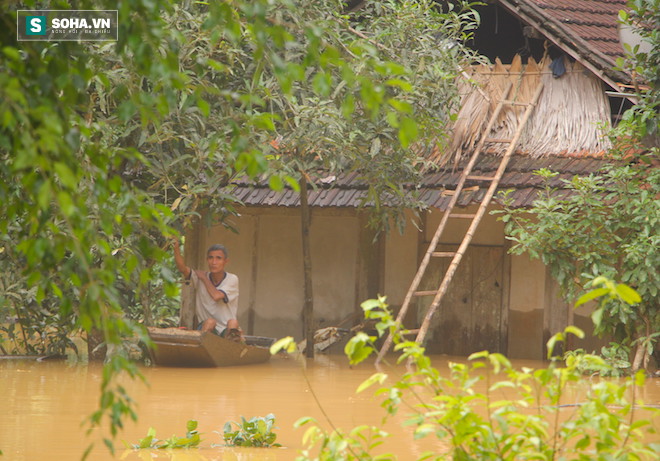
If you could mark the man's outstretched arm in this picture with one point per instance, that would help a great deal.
(180, 263)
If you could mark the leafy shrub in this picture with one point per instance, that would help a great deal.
(356, 444)
(192, 439)
(615, 357)
(256, 432)
(537, 419)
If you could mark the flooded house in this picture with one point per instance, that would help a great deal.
(557, 56)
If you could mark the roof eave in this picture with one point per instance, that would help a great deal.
(573, 45)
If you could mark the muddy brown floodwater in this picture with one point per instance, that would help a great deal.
(44, 404)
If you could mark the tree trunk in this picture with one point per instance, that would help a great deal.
(96, 347)
(308, 306)
(187, 319)
(146, 306)
(640, 352)
(642, 357)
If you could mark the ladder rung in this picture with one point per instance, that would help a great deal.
(461, 215)
(465, 189)
(443, 254)
(481, 178)
(410, 332)
(425, 293)
(500, 140)
(514, 103)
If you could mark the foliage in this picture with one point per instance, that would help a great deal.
(62, 190)
(615, 357)
(255, 432)
(192, 439)
(104, 145)
(358, 443)
(642, 63)
(486, 409)
(614, 216)
(304, 90)
(383, 98)
(27, 326)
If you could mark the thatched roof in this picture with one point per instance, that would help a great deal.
(570, 118)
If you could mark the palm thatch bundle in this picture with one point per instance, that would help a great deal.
(570, 118)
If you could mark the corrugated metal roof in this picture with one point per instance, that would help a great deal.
(435, 189)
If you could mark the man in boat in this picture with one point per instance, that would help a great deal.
(216, 301)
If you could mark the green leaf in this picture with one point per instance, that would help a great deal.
(628, 294)
(145, 442)
(590, 295)
(66, 203)
(401, 106)
(597, 316)
(293, 184)
(583, 443)
(45, 195)
(574, 330)
(478, 355)
(322, 83)
(424, 430)
(370, 304)
(275, 183)
(11, 53)
(407, 131)
(640, 378)
(204, 107)
(373, 379)
(66, 176)
(348, 106)
(358, 348)
(396, 82)
(554, 339)
(287, 344)
(302, 421)
(191, 425)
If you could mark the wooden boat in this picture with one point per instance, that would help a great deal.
(175, 347)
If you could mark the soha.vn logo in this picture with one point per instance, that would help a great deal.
(81, 23)
(35, 25)
(67, 25)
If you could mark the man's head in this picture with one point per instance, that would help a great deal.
(217, 247)
(216, 258)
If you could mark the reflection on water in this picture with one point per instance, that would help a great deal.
(44, 404)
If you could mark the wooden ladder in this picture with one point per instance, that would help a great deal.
(449, 214)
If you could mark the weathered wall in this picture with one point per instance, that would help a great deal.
(537, 311)
(526, 308)
(266, 254)
(497, 301)
(401, 262)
